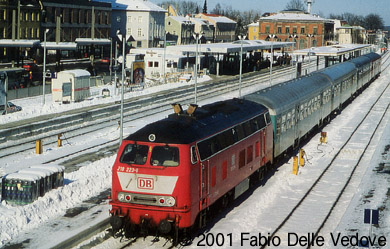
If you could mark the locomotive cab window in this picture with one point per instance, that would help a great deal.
(194, 158)
(135, 154)
(165, 156)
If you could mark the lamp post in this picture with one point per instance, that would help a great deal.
(123, 37)
(44, 66)
(110, 59)
(309, 45)
(197, 36)
(164, 62)
(293, 36)
(241, 37)
(272, 37)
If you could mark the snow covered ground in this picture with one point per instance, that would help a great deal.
(254, 215)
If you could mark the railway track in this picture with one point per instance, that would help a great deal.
(325, 193)
(134, 108)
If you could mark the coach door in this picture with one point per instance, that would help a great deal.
(204, 178)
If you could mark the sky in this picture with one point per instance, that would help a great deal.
(326, 7)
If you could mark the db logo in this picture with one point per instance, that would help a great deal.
(145, 183)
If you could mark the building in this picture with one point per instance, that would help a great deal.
(205, 28)
(351, 35)
(141, 19)
(179, 29)
(27, 27)
(253, 31)
(297, 26)
(225, 28)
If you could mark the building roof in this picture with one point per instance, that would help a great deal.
(219, 18)
(295, 16)
(334, 50)
(181, 19)
(134, 5)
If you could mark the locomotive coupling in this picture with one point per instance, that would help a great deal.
(116, 223)
(165, 226)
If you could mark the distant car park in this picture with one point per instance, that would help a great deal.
(11, 107)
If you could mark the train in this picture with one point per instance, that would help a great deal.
(172, 174)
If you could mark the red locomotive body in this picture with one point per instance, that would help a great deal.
(170, 172)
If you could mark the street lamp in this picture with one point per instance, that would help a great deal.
(164, 62)
(123, 38)
(197, 36)
(293, 36)
(309, 45)
(44, 65)
(241, 37)
(272, 37)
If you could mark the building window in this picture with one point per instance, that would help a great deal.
(129, 31)
(128, 18)
(140, 19)
(287, 30)
(302, 30)
(139, 44)
(279, 30)
(267, 28)
(139, 32)
(315, 30)
(294, 30)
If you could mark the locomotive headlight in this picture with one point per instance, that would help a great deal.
(170, 201)
(121, 197)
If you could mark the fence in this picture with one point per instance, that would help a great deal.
(37, 90)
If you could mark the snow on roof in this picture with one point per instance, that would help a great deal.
(294, 15)
(51, 167)
(22, 176)
(201, 21)
(134, 5)
(219, 18)
(181, 19)
(76, 72)
(36, 171)
(253, 24)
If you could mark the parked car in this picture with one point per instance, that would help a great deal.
(11, 107)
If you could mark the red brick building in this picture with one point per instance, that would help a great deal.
(305, 29)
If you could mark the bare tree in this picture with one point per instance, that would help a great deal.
(373, 22)
(295, 5)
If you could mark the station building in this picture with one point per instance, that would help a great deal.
(304, 29)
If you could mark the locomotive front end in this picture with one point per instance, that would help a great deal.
(150, 189)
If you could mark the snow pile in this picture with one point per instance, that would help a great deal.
(83, 184)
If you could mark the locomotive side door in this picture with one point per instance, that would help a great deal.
(204, 183)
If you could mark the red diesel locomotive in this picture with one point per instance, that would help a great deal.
(168, 174)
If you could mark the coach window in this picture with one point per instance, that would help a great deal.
(247, 129)
(278, 127)
(261, 122)
(293, 118)
(289, 120)
(283, 123)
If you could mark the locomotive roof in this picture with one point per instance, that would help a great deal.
(280, 98)
(205, 121)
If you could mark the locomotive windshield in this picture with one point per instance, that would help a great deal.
(165, 156)
(135, 154)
